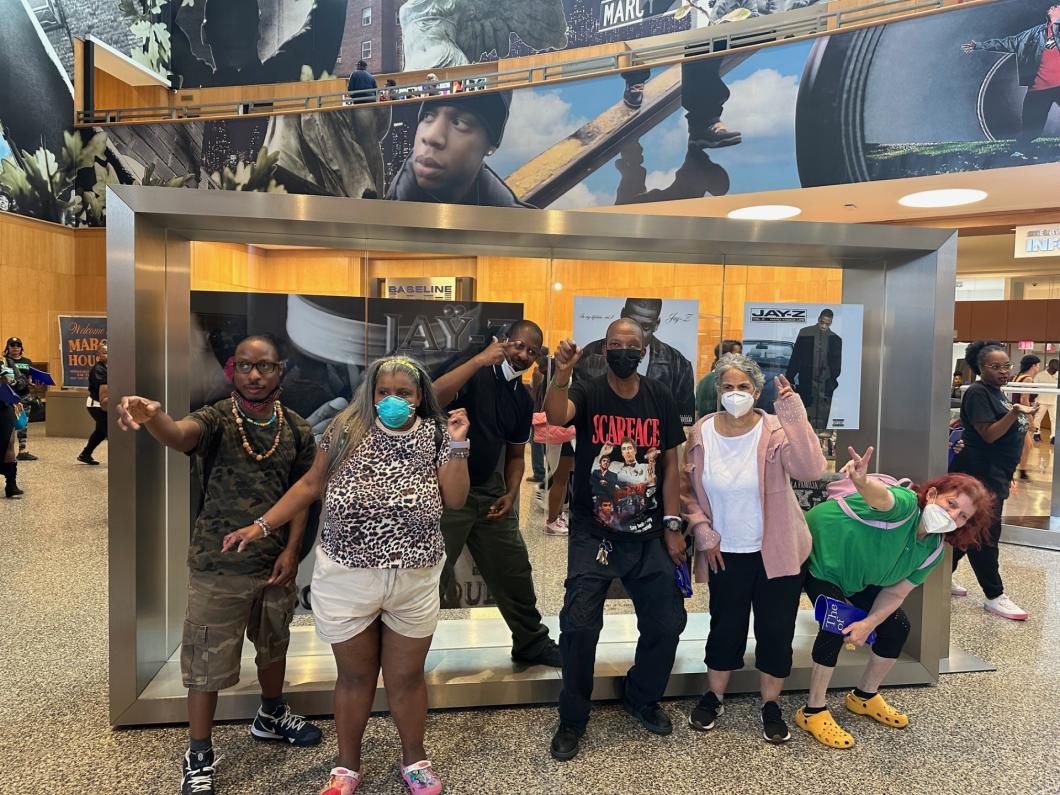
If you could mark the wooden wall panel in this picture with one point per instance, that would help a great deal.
(962, 320)
(989, 320)
(48, 269)
(1027, 320)
(1052, 320)
(109, 93)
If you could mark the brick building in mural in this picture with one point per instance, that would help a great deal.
(372, 33)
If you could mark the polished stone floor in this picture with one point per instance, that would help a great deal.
(974, 733)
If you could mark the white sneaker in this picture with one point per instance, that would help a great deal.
(956, 589)
(1006, 608)
(558, 527)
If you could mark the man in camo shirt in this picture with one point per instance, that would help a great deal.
(248, 451)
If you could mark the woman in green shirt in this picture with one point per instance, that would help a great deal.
(875, 569)
(707, 388)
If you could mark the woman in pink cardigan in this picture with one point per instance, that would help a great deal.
(750, 532)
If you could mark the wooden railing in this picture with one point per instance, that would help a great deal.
(227, 102)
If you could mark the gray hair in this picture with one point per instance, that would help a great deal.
(352, 424)
(745, 364)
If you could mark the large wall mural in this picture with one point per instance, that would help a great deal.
(849, 107)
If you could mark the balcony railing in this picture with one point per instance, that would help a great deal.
(812, 20)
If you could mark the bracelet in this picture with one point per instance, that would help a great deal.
(554, 385)
(458, 445)
(260, 522)
(460, 452)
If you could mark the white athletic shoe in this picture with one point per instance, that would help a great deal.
(956, 589)
(558, 527)
(1006, 608)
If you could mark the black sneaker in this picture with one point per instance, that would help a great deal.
(651, 717)
(84, 458)
(285, 725)
(548, 655)
(198, 773)
(11, 491)
(706, 713)
(24, 456)
(565, 742)
(633, 96)
(774, 729)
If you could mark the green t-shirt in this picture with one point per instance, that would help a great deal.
(241, 489)
(706, 395)
(855, 556)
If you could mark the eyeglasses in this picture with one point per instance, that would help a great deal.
(999, 368)
(265, 367)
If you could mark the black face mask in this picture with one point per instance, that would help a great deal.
(623, 362)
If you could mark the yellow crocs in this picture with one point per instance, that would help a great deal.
(877, 709)
(824, 729)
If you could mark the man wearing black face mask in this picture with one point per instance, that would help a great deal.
(500, 411)
(632, 533)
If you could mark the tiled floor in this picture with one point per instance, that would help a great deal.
(975, 733)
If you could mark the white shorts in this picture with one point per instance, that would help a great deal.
(346, 601)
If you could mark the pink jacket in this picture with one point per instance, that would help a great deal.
(788, 449)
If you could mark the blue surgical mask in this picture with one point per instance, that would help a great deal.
(393, 411)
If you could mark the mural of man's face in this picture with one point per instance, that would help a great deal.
(1054, 13)
(646, 316)
(450, 145)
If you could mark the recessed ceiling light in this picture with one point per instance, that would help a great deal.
(765, 212)
(949, 197)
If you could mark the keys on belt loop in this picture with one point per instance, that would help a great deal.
(602, 553)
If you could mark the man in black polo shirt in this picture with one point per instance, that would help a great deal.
(625, 525)
(500, 410)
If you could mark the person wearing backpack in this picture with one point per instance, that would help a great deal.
(249, 449)
(874, 541)
(994, 433)
(751, 537)
(386, 467)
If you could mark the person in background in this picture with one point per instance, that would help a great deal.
(994, 429)
(361, 84)
(97, 405)
(706, 389)
(751, 537)
(16, 359)
(815, 366)
(538, 385)
(489, 387)
(634, 532)
(875, 569)
(8, 437)
(386, 467)
(390, 90)
(1030, 366)
(249, 449)
(1048, 377)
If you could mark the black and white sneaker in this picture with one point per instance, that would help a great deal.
(774, 729)
(706, 713)
(198, 773)
(285, 725)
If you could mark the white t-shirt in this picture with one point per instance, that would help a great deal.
(730, 480)
(1043, 377)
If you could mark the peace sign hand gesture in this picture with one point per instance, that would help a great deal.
(783, 386)
(857, 468)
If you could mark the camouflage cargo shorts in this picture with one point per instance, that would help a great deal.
(221, 609)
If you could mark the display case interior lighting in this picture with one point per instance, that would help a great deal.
(947, 197)
(765, 212)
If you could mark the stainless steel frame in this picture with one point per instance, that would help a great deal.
(903, 276)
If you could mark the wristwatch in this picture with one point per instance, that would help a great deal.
(673, 524)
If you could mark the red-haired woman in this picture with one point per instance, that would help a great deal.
(875, 569)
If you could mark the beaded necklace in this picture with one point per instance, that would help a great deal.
(258, 423)
(277, 415)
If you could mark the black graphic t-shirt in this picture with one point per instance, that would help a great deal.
(994, 464)
(618, 457)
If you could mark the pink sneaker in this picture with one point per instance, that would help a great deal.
(558, 527)
(343, 781)
(421, 779)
